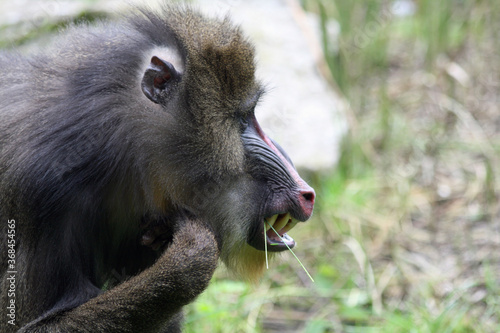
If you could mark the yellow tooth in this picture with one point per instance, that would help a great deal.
(290, 225)
(270, 221)
(281, 222)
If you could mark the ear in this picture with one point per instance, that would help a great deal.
(158, 77)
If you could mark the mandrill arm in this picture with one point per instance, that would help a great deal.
(152, 300)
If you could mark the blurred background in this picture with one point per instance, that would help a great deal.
(392, 114)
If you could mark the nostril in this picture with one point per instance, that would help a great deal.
(306, 202)
(309, 196)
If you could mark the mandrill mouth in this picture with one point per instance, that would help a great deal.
(282, 223)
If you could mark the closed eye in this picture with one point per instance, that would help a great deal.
(244, 123)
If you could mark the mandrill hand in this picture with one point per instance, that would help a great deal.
(157, 232)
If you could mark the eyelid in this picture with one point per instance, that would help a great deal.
(243, 123)
(245, 113)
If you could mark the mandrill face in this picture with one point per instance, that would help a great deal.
(232, 175)
(287, 198)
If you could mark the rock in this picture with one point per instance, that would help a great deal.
(300, 111)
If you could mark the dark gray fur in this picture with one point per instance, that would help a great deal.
(90, 167)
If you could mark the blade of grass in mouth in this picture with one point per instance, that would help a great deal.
(296, 258)
(265, 242)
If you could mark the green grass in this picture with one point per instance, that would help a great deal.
(35, 30)
(405, 236)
